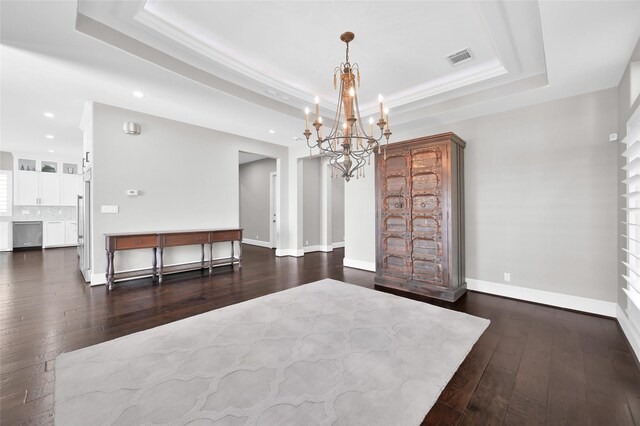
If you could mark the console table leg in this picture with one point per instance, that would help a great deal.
(210, 258)
(239, 254)
(202, 254)
(155, 263)
(110, 270)
(232, 254)
(161, 250)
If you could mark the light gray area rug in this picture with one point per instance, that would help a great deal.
(325, 353)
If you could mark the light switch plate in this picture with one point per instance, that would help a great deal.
(108, 209)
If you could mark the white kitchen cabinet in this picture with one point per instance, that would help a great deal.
(53, 234)
(45, 182)
(27, 188)
(71, 233)
(69, 189)
(49, 189)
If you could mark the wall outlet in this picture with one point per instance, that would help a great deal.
(507, 276)
(306, 243)
(257, 238)
(108, 209)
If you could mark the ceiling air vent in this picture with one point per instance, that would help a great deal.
(459, 57)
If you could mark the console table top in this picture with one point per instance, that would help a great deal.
(180, 231)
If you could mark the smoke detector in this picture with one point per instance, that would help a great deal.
(459, 57)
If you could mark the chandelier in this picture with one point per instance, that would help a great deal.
(348, 145)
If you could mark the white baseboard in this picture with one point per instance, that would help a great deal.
(560, 300)
(289, 252)
(98, 279)
(338, 244)
(359, 264)
(309, 249)
(629, 330)
(258, 243)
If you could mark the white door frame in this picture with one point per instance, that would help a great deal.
(274, 209)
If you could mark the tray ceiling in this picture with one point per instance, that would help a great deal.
(286, 51)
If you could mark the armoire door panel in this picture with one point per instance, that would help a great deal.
(395, 204)
(396, 245)
(425, 183)
(396, 165)
(427, 270)
(426, 159)
(425, 204)
(396, 185)
(396, 265)
(395, 224)
(427, 250)
(426, 226)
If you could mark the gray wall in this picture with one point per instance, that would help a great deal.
(337, 210)
(311, 201)
(6, 160)
(187, 176)
(541, 191)
(624, 113)
(254, 198)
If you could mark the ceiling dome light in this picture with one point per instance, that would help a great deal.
(272, 131)
(49, 114)
(138, 94)
(49, 136)
(51, 150)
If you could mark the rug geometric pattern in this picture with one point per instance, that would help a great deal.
(325, 353)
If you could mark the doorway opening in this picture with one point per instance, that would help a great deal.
(259, 199)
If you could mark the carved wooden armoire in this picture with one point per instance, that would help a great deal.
(420, 217)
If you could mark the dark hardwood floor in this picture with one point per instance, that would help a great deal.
(534, 364)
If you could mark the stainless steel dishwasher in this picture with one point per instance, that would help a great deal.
(27, 235)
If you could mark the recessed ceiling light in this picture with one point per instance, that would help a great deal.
(51, 150)
(49, 114)
(49, 136)
(272, 131)
(286, 98)
(138, 94)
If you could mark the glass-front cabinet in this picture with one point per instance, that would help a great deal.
(40, 182)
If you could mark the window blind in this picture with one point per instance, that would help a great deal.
(632, 223)
(6, 201)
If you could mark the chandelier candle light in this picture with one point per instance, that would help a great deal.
(348, 147)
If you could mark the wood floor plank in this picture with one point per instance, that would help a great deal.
(441, 415)
(531, 355)
(525, 412)
(490, 401)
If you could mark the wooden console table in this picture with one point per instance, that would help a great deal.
(158, 241)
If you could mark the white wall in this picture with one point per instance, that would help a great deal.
(540, 197)
(187, 176)
(337, 210)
